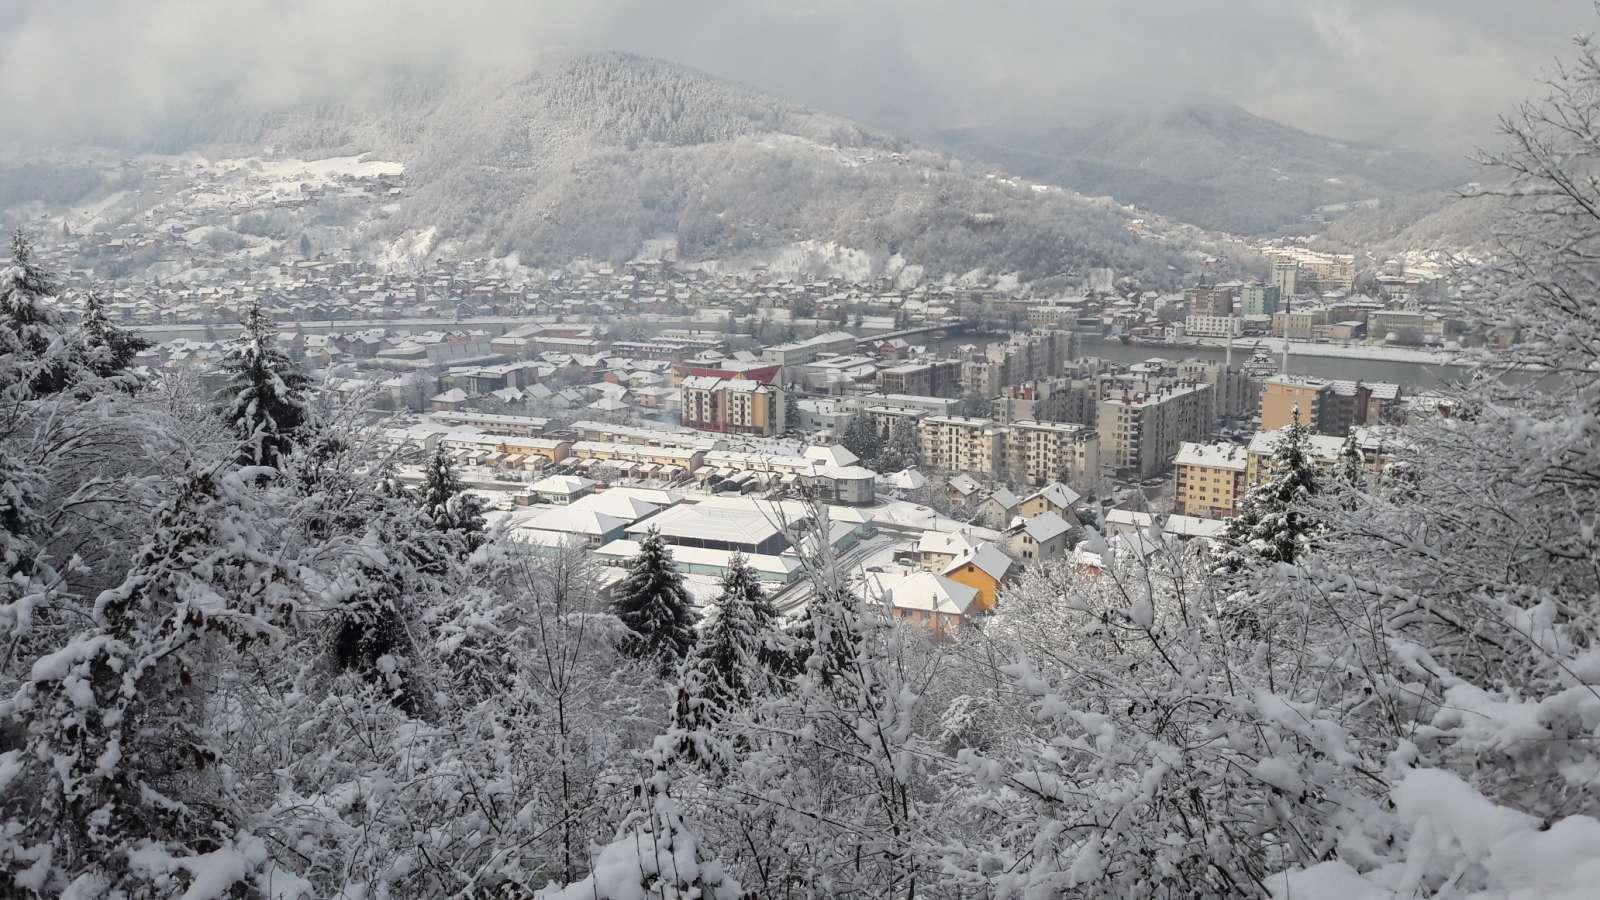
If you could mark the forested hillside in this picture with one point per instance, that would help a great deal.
(1442, 220)
(594, 154)
(1206, 162)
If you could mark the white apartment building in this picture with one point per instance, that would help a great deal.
(1140, 433)
(961, 444)
(1038, 453)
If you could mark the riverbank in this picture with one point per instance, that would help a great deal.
(1377, 352)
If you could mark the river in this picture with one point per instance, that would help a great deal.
(1415, 375)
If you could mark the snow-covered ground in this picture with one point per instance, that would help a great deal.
(1346, 351)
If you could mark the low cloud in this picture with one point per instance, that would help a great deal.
(1431, 74)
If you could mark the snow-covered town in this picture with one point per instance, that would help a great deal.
(542, 451)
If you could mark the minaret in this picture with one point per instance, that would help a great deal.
(1284, 369)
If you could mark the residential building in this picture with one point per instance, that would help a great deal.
(736, 405)
(1054, 497)
(932, 378)
(1285, 277)
(1256, 299)
(561, 489)
(1213, 326)
(1344, 406)
(940, 604)
(960, 444)
(1209, 300)
(1209, 479)
(1236, 395)
(984, 567)
(1043, 537)
(1322, 449)
(1140, 433)
(1291, 398)
(1038, 453)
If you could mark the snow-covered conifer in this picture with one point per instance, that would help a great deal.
(739, 646)
(1276, 522)
(654, 605)
(265, 399)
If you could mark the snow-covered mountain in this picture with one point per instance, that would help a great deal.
(599, 154)
(1208, 162)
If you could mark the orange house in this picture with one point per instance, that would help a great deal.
(983, 569)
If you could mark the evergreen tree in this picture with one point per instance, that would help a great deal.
(862, 439)
(447, 505)
(1274, 524)
(828, 635)
(791, 410)
(1350, 463)
(305, 246)
(653, 604)
(108, 350)
(903, 449)
(37, 360)
(738, 654)
(265, 401)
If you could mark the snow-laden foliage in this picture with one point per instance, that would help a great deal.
(741, 654)
(265, 400)
(653, 604)
(226, 679)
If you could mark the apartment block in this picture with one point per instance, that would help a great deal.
(1209, 300)
(1286, 278)
(932, 378)
(1038, 453)
(1294, 398)
(1140, 433)
(1237, 396)
(1209, 480)
(961, 444)
(1257, 299)
(1212, 326)
(732, 405)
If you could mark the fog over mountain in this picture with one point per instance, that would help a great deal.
(1206, 161)
(95, 67)
(606, 155)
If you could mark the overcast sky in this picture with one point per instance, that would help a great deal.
(1430, 74)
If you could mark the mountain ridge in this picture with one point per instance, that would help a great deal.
(1203, 161)
(600, 154)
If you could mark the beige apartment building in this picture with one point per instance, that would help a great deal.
(961, 444)
(732, 405)
(1038, 453)
(1290, 398)
(1209, 480)
(1140, 433)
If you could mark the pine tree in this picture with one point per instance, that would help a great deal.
(903, 450)
(738, 654)
(653, 604)
(1274, 525)
(791, 410)
(1350, 463)
(862, 439)
(446, 503)
(828, 635)
(36, 358)
(108, 350)
(265, 401)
